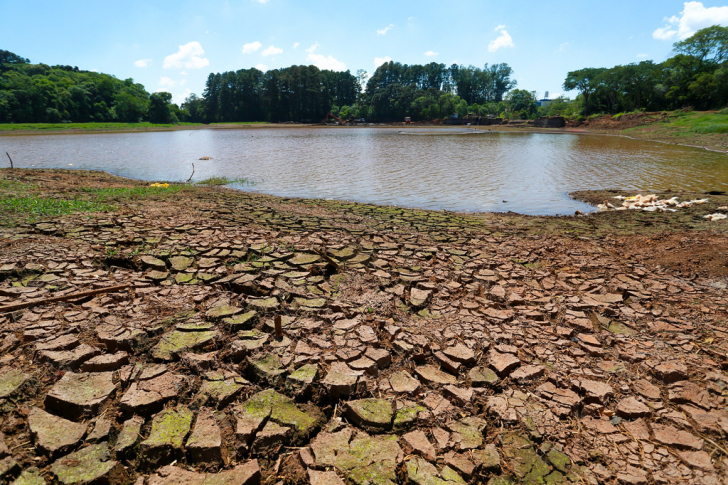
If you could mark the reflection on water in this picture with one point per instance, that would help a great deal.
(521, 172)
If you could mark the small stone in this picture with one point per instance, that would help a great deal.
(595, 391)
(371, 414)
(433, 375)
(341, 380)
(302, 378)
(460, 395)
(418, 441)
(271, 437)
(30, 476)
(204, 446)
(671, 372)
(502, 364)
(268, 367)
(461, 463)
(222, 311)
(697, 459)
(87, 466)
(380, 356)
(164, 443)
(128, 436)
(53, 435)
(528, 373)
(402, 381)
(481, 376)
(102, 428)
(460, 353)
(419, 298)
(671, 436)
(647, 389)
(82, 394)
(631, 408)
(106, 362)
(14, 382)
(364, 364)
(487, 458)
(316, 477)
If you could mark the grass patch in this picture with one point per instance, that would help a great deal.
(87, 126)
(220, 180)
(33, 208)
(698, 122)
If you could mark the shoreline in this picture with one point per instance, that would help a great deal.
(493, 128)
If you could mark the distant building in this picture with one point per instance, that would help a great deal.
(545, 101)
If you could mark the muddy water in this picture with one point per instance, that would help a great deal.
(443, 168)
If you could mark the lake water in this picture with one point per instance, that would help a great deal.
(441, 168)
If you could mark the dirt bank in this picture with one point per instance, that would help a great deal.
(200, 335)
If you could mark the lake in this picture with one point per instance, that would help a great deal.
(455, 169)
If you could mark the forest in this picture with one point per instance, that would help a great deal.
(695, 77)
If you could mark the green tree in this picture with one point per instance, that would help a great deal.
(706, 45)
(584, 80)
(160, 108)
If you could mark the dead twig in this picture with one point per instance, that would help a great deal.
(42, 301)
(11, 160)
(193, 172)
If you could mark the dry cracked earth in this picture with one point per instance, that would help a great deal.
(233, 341)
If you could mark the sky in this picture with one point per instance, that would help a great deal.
(172, 45)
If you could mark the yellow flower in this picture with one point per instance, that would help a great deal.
(157, 184)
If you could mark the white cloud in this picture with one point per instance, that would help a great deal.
(261, 67)
(385, 30)
(166, 82)
(189, 56)
(312, 48)
(378, 61)
(695, 16)
(261, 1)
(326, 62)
(503, 40)
(431, 53)
(252, 47)
(271, 51)
(642, 56)
(296, 44)
(142, 62)
(183, 73)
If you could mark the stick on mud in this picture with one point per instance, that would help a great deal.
(11, 160)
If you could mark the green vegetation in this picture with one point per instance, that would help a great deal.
(20, 202)
(222, 180)
(696, 77)
(701, 122)
(34, 208)
(64, 97)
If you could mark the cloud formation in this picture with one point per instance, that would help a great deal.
(378, 61)
(385, 29)
(431, 53)
(271, 51)
(142, 62)
(189, 56)
(261, 67)
(311, 49)
(326, 62)
(503, 40)
(166, 82)
(251, 47)
(695, 16)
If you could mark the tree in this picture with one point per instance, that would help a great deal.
(707, 45)
(522, 103)
(159, 108)
(585, 80)
(8, 59)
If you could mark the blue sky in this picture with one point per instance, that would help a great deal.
(174, 45)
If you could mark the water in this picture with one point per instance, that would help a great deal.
(440, 168)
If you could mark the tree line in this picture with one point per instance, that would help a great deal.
(696, 76)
